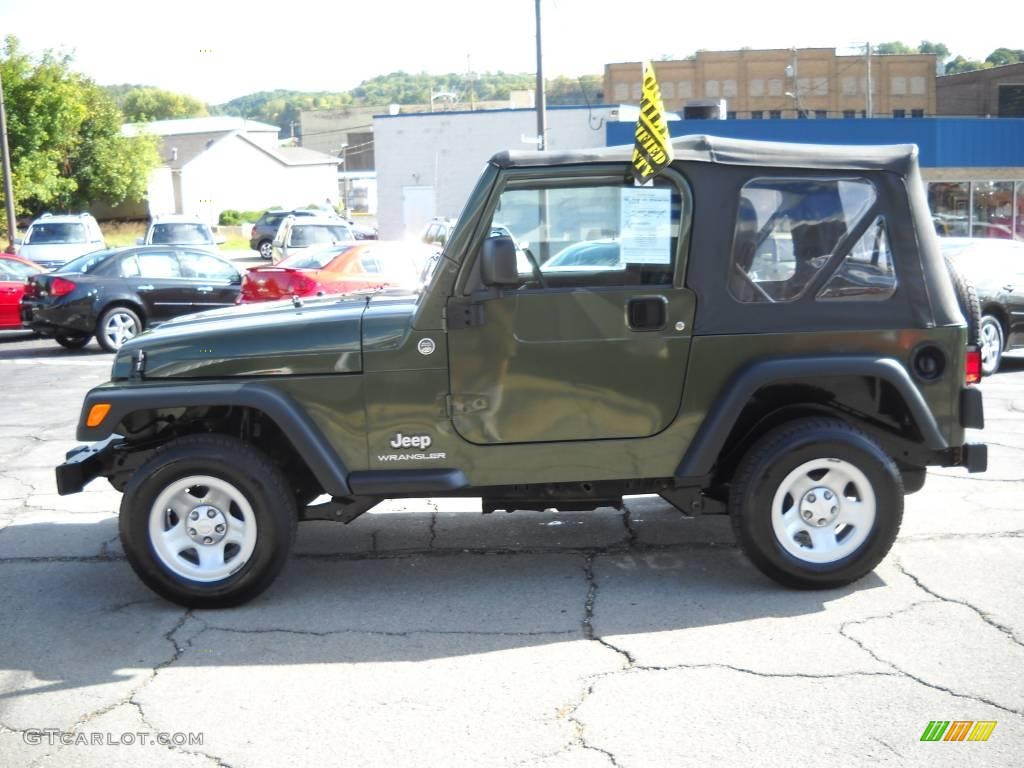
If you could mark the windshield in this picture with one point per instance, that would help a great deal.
(17, 269)
(55, 232)
(316, 258)
(181, 233)
(84, 264)
(313, 234)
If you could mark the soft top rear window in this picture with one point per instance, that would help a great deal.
(787, 230)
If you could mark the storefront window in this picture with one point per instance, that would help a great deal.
(950, 204)
(993, 209)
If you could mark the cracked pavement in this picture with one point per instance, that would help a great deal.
(426, 634)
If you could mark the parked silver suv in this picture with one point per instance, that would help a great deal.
(53, 240)
(180, 230)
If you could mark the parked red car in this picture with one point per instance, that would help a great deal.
(339, 268)
(13, 273)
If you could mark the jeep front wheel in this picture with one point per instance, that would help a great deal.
(816, 504)
(207, 521)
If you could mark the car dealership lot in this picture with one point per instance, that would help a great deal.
(426, 634)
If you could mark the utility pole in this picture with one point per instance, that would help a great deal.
(791, 71)
(541, 119)
(8, 186)
(867, 85)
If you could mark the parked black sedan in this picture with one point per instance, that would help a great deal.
(115, 294)
(997, 269)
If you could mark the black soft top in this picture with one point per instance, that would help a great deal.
(925, 296)
(898, 158)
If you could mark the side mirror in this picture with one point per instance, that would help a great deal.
(140, 241)
(236, 279)
(498, 262)
(18, 241)
(219, 240)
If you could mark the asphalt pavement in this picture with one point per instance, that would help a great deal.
(426, 634)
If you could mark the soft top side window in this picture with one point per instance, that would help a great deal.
(593, 233)
(787, 230)
(867, 271)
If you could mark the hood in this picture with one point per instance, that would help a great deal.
(55, 253)
(277, 338)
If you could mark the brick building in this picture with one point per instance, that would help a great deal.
(777, 83)
(996, 92)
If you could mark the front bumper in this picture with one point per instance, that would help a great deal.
(972, 456)
(84, 464)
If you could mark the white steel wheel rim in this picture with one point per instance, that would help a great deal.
(183, 528)
(991, 345)
(823, 511)
(119, 327)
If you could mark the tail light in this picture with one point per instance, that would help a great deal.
(303, 286)
(972, 366)
(61, 287)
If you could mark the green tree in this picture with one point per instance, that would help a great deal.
(142, 104)
(894, 47)
(1002, 56)
(959, 64)
(64, 136)
(939, 49)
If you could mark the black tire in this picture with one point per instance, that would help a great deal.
(265, 249)
(72, 342)
(775, 458)
(992, 344)
(967, 299)
(106, 337)
(247, 470)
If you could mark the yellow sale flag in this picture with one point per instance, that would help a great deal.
(653, 148)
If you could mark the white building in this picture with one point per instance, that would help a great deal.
(428, 162)
(211, 164)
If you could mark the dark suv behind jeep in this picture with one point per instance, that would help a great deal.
(262, 237)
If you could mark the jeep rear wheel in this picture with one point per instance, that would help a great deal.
(816, 504)
(207, 521)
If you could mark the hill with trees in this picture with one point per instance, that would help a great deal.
(282, 107)
(951, 65)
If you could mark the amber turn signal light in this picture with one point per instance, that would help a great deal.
(97, 414)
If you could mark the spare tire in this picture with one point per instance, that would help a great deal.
(967, 299)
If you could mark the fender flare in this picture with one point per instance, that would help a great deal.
(703, 451)
(306, 437)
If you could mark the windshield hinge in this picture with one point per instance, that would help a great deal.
(138, 364)
(449, 409)
(466, 315)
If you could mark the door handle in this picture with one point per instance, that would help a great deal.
(647, 313)
(1008, 288)
(145, 288)
(205, 289)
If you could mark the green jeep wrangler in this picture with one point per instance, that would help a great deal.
(767, 331)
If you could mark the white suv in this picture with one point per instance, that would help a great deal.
(54, 240)
(180, 230)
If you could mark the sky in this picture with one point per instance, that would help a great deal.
(217, 50)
